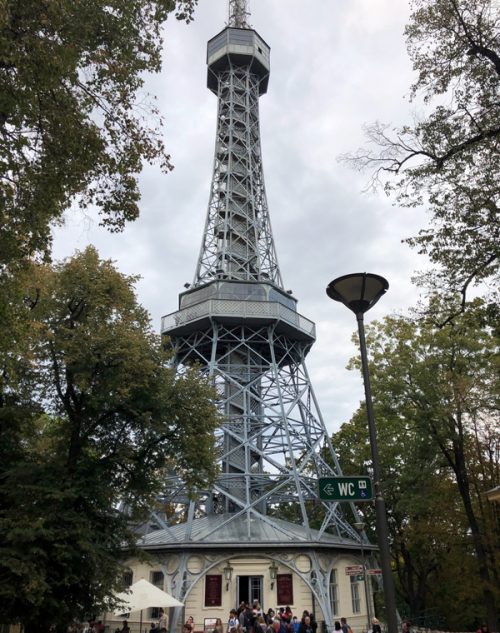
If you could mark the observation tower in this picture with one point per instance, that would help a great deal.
(261, 531)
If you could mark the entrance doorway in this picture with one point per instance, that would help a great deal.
(250, 589)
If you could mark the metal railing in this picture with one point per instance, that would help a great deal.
(243, 309)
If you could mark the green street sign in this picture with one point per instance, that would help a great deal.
(345, 488)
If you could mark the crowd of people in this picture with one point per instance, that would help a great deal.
(252, 619)
(248, 619)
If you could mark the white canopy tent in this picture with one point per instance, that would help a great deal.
(143, 595)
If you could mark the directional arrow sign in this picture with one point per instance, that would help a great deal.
(354, 570)
(345, 488)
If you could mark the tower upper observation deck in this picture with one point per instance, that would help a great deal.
(238, 47)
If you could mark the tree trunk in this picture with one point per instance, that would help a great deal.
(479, 547)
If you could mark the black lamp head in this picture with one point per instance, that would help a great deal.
(358, 291)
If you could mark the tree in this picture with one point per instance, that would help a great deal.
(448, 159)
(91, 413)
(431, 556)
(72, 120)
(440, 385)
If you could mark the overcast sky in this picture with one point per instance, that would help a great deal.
(335, 65)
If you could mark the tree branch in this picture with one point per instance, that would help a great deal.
(475, 47)
(463, 291)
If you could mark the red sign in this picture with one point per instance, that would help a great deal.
(354, 570)
(213, 590)
(374, 572)
(284, 583)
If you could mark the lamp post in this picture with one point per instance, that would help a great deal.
(360, 292)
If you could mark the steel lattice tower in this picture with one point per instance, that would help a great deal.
(237, 321)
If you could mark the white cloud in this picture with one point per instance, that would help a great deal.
(334, 66)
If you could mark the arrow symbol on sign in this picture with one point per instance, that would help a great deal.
(329, 489)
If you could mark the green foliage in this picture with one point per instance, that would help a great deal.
(447, 159)
(90, 415)
(436, 393)
(73, 121)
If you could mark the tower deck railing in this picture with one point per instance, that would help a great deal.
(242, 309)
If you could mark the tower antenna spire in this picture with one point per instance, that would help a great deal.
(238, 13)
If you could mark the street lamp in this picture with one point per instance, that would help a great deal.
(360, 292)
(273, 573)
(228, 574)
(359, 526)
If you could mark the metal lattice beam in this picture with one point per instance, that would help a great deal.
(272, 444)
(237, 239)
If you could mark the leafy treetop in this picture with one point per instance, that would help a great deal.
(72, 119)
(91, 416)
(448, 158)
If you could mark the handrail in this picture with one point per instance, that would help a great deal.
(237, 308)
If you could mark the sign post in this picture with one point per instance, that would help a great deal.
(345, 488)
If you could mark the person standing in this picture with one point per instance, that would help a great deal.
(376, 626)
(269, 617)
(314, 624)
(260, 625)
(218, 628)
(162, 620)
(345, 626)
(276, 625)
(242, 615)
(249, 619)
(233, 623)
(305, 625)
(286, 615)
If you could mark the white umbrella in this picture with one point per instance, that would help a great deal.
(143, 595)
